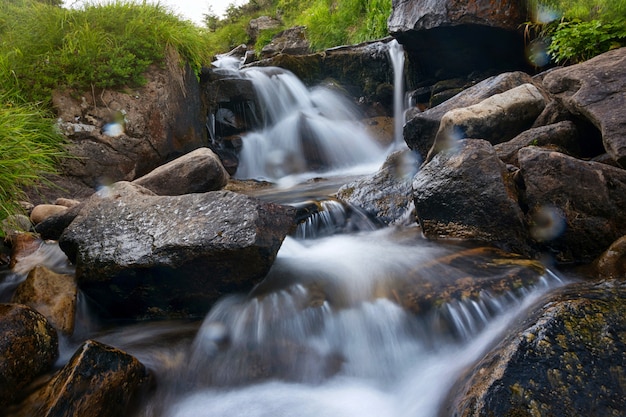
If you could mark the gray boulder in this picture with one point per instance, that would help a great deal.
(596, 91)
(140, 255)
(198, 171)
(467, 193)
(261, 23)
(496, 119)
(291, 41)
(575, 207)
(421, 128)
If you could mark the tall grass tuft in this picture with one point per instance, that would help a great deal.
(29, 148)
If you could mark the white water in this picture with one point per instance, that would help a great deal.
(306, 133)
(389, 362)
(396, 55)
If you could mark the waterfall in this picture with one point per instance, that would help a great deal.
(306, 132)
(396, 55)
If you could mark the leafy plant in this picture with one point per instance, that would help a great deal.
(576, 41)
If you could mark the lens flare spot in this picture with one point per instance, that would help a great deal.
(547, 223)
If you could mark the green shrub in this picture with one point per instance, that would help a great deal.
(576, 41)
(577, 30)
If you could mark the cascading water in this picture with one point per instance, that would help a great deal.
(306, 133)
(326, 332)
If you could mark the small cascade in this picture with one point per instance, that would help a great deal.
(396, 55)
(306, 132)
(329, 217)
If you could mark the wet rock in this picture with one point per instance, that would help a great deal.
(98, 381)
(387, 194)
(495, 119)
(481, 277)
(29, 346)
(457, 193)
(141, 255)
(450, 38)
(291, 41)
(122, 135)
(596, 90)
(23, 245)
(51, 294)
(42, 211)
(421, 128)
(575, 207)
(198, 171)
(562, 135)
(565, 359)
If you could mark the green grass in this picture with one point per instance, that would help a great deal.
(98, 46)
(29, 148)
(328, 23)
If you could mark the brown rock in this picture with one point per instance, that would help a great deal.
(612, 263)
(98, 381)
(42, 211)
(28, 347)
(51, 294)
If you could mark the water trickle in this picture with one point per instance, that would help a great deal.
(396, 55)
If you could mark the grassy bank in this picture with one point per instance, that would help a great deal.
(44, 47)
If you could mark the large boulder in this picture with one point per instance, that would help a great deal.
(565, 359)
(141, 255)
(198, 171)
(421, 128)
(496, 119)
(28, 347)
(595, 90)
(121, 135)
(98, 381)
(450, 38)
(575, 207)
(258, 25)
(458, 192)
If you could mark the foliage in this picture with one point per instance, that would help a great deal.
(329, 22)
(576, 41)
(29, 147)
(99, 46)
(579, 29)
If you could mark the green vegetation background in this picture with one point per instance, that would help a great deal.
(44, 46)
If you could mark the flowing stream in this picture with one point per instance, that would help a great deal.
(323, 334)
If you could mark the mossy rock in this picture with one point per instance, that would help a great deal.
(566, 359)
